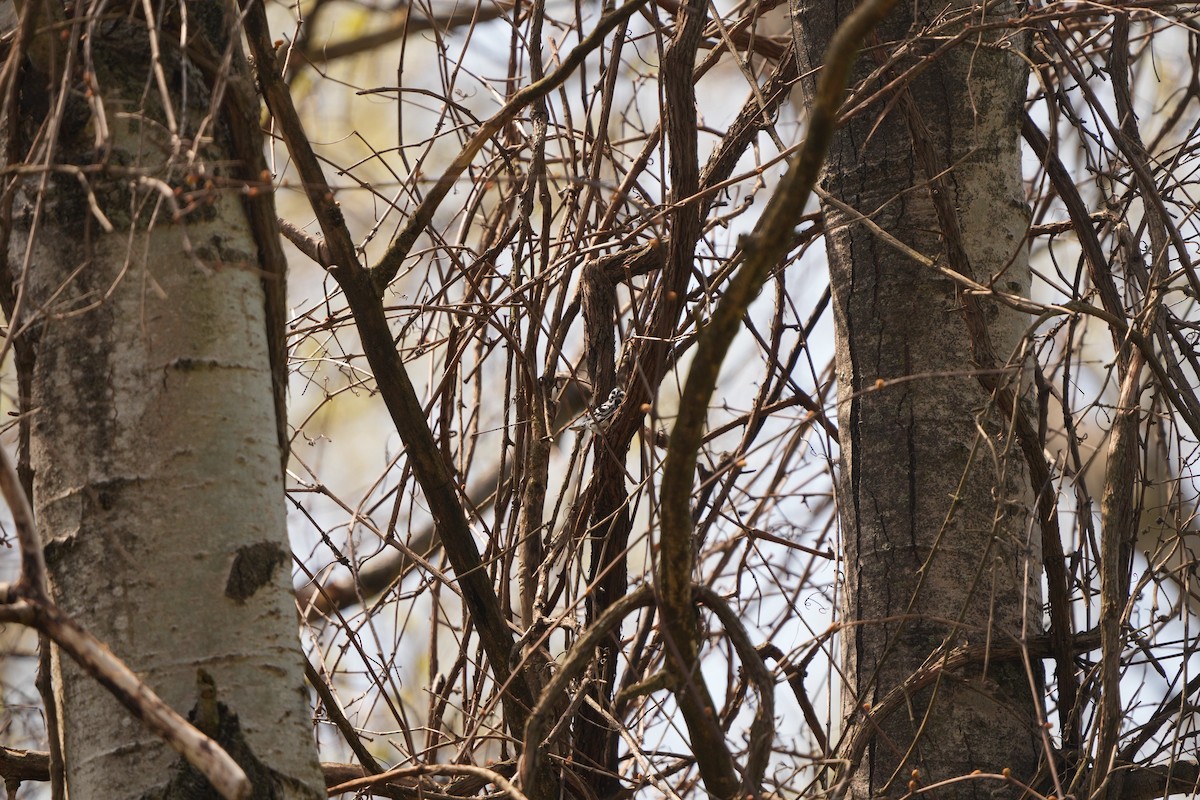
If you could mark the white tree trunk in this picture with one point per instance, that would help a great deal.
(157, 479)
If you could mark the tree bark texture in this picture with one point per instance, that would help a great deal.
(940, 541)
(154, 444)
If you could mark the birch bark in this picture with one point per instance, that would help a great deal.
(153, 423)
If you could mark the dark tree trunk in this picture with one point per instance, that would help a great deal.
(939, 538)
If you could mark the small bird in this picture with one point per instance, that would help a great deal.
(599, 416)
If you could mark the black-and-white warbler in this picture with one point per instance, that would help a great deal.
(601, 414)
